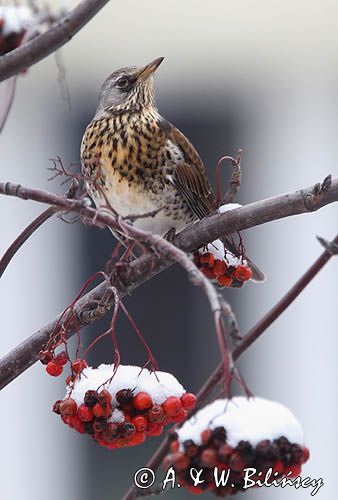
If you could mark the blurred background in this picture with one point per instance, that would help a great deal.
(257, 75)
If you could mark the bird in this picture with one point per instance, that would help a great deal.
(139, 162)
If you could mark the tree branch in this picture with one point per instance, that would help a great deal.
(48, 42)
(23, 237)
(147, 266)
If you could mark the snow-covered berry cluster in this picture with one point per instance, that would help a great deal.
(222, 266)
(122, 407)
(233, 435)
(14, 21)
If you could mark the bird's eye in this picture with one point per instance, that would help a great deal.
(122, 82)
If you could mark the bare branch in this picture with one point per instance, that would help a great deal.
(8, 101)
(31, 228)
(23, 237)
(235, 181)
(48, 42)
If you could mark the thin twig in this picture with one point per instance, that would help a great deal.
(8, 100)
(235, 181)
(253, 334)
(23, 237)
(31, 228)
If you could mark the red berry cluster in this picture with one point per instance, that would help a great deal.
(220, 272)
(10, 41)
(142, 417)
(56, 362)
(280, 455)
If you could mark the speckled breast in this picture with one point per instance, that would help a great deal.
(129, 159)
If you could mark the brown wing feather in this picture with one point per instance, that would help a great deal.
(190, 177)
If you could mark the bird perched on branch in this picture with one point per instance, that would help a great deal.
(139, 162)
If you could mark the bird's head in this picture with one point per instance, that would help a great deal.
(128, 90)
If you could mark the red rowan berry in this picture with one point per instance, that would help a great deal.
(100, 425)
(154, 429)
(295, 470)
(127, 429)
(209, 458)
(207, 260)
(112, 432)
(172, 406)
(208, 273)
(75, 423)
(106, 411)
(53, 369)
(85, 413)
(278, 467)
(236, 462)
(142, 401)
(124, 396)
(56, 407)
(90, 398)
(105, 397)
(98, 410)
(188, 400)
(78, 365)
(61, 358)
(140, 423)
(219, 268)
(156, 414)
(179, 417)
(224, 280)
(68, 407)
(166, 420)
(243, 273)
(45, 357)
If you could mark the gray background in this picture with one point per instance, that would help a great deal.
(257, 75)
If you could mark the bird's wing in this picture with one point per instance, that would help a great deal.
(189, 176)
(191, 181)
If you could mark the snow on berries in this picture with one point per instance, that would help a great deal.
(123, 407)
(233, 435)
(14, 21)
(221, 265)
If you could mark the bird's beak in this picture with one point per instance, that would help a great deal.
(149, 69)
